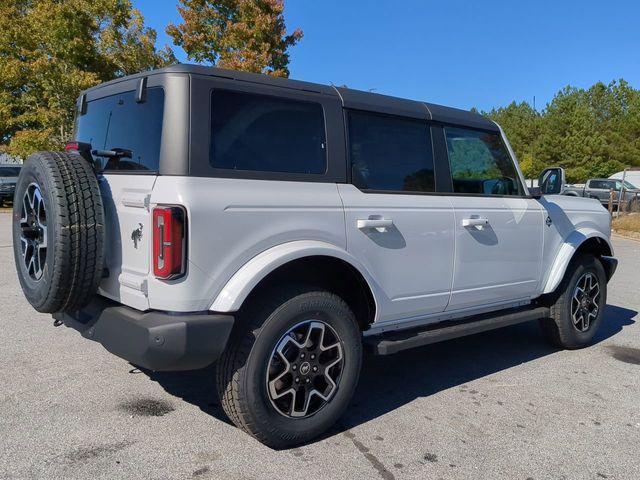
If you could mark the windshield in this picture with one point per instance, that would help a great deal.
(9, 171)
(627, 185)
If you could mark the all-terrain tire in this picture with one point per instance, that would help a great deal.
(242, 375)
(58, 205)
(561, 329)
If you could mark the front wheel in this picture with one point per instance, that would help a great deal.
(291, 367)
(578, 309)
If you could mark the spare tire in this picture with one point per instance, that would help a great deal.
(58, 231)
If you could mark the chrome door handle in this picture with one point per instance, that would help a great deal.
(475, 222)
(374, 223)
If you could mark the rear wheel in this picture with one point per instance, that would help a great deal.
(291, 367)
(578, 309)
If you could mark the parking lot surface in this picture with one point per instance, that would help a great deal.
(503, 404)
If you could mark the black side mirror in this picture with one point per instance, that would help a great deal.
(552, 181)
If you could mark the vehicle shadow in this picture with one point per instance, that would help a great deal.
(387, 383)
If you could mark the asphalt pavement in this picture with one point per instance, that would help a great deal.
(502, 404)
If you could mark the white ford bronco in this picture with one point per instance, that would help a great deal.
(279, 228)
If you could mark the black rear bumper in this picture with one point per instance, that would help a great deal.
(153, 340)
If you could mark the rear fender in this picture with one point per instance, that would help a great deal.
(238, 288)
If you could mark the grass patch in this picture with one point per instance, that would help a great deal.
(629, 223)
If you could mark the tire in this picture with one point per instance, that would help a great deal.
(58, 213)
(566, 327)
(243, 379)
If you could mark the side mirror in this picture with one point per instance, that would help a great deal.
(552, 181)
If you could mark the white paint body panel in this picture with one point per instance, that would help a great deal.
(426, 268)
(500, 261)
(126, 203)
(412, 261)
(574, 220)
(231, 221)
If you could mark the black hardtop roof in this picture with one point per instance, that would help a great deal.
(351, 98)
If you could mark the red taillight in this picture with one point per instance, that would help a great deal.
(72, 147)
(169, 245)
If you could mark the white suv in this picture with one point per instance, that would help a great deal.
(278, 227)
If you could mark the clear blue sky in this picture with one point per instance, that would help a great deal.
(458, 53)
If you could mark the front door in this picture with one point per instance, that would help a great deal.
(498, 228)
(396, 226)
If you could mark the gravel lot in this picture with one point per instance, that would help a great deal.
(497, 405)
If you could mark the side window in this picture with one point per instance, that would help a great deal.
(390, 153)
(267, 134)
(597, 184)
(480, 163)
(118, 122)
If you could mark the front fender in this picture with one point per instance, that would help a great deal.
(566, 253)
(238, 288)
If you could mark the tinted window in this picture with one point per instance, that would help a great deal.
(268, 134)
(9, 171)
(390, 153)
(600, 184)
(480, 163)
(118, 122)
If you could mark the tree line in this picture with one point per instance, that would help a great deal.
(590, 132)
(51, 50)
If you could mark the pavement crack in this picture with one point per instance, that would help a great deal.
(373, 460)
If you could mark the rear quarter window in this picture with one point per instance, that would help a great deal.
(119, 122)
(251, 132)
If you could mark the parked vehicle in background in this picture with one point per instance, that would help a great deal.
(8, 178)
(280, 227)
(631, 175)
(600, 188)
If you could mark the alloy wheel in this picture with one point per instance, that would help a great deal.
(304, 369)
(33, 231)
(585, 302)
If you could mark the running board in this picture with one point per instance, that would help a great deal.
(393, 342)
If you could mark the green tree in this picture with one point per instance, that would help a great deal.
(591, 133)
(50, 50)
(521, 124)
(245, 35)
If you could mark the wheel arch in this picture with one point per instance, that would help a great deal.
(579, 242)
(311, 262)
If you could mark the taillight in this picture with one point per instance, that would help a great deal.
(169, 242)
(72, 147)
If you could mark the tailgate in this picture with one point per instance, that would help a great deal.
(128, 238)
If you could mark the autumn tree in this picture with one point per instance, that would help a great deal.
(247, 35)
(50, 50)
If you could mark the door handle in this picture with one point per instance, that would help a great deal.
(363, 223)
(475, 222)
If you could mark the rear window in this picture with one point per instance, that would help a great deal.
(390, 153)
(118, 123)
(9, 171)
(267, 134)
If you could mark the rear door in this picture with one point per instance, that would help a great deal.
(498, 228)
(125, 135)
(396, 225)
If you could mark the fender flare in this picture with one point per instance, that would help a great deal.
(567, 251)
(240, 285)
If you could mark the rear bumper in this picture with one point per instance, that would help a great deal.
(153, 340)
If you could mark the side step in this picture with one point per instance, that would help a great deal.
(393, 342)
